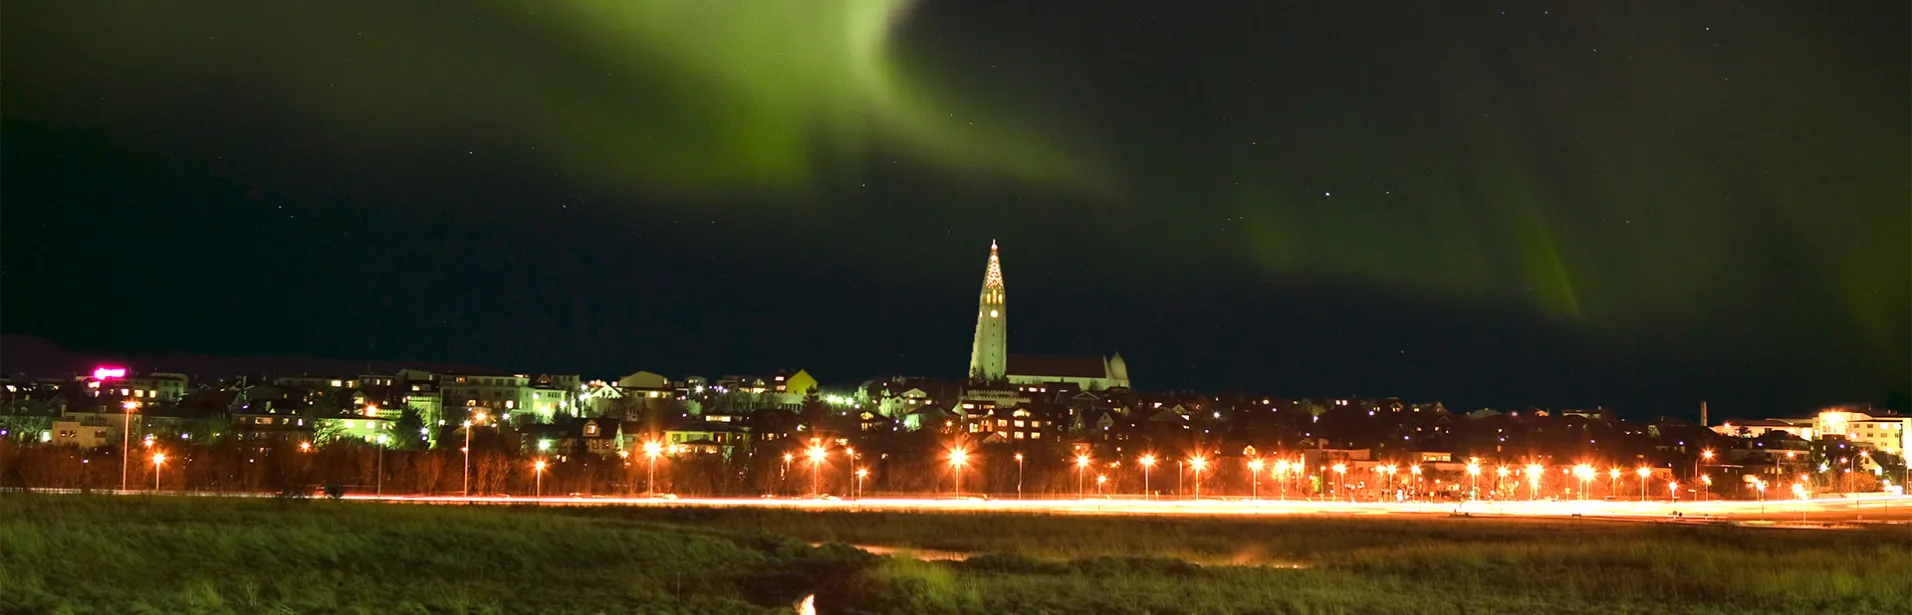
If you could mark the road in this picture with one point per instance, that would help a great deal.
(1870, 508)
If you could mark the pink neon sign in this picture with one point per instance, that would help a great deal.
(107, 373)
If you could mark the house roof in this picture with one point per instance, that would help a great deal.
(1063, 366)
(1759, 423)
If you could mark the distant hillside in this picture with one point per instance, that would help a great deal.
(24, 354)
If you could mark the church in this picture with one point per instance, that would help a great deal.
(991, 364)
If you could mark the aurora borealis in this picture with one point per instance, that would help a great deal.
(1640, 206)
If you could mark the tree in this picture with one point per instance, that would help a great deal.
(410, 430)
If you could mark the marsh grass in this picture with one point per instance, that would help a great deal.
(75, 554)
(1379, 564)
(215, 555)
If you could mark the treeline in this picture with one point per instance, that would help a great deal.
(916, 463)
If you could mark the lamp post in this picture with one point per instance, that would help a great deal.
(1148, 461)
(381, 465)
(126, 438)
(861, 473)
(1416, 471)
(956, 458)
(849, 453)
(1583, 472)
(1198, 462)
(651, 449)
(1613, 481)
(1473, 479)
(816, 454)
(158, 458)
(1099, 479)
(1760, 486)
(1672, 491)
(1534, 471)
(1082, 476)
(537, 489)
(1281, 477)
(1707, 481)
(1341, 478)
(476, 419)
(1642, 473)
(1018, 476)
(1254, 480)
(1389, 471)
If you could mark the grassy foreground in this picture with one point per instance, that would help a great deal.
(1071, 564)
(203, 555)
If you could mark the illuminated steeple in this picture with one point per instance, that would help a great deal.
(988, 357)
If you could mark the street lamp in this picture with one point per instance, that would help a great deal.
(1389, 471)
(1099, 479)
(126, 438)
(1672, 491)
(861, 473)
(1281, 477)
(538, 483)
(1198, 462)
(1341, 477)
(1473, 478)
(1583, 472)
(1760, 486)
(956, 458)
(1534, 471)
(1082, 476)
(381, 465)
(1707, 480)
(1416, 471)
(158, 458)
(651, 449)
(816, 454)
(1642, 473)
(1254, 480)
(1148, 461)
(1018, 476)
(1800, 491)
(1613, 481)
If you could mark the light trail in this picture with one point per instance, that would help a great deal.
(1821, 510)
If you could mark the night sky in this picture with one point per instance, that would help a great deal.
(1641, 205)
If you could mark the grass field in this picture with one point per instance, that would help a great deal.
(202, 555)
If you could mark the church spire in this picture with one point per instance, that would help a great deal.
(988, 356)
(992, 277)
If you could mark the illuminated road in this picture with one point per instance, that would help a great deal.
(1820, 510)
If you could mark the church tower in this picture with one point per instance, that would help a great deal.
(988, 357)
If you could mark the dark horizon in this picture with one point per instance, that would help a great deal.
(1632, 207)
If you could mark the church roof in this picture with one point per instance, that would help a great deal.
(1045, 365)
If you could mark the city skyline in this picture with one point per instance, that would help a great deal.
(1637, 207)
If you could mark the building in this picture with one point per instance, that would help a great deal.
(1755, 428)
(1091, 373)
(513, 396)
(991, 365)
(988, 354)
(1883, 432)
(355, 428)
(698, 437)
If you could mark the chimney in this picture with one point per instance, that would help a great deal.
(1702, 413)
